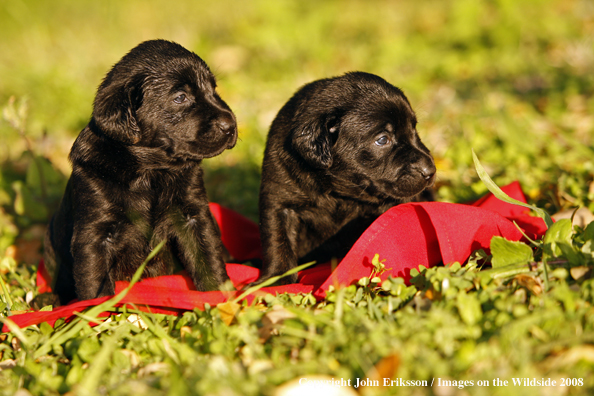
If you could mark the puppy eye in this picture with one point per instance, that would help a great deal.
(382, 140)
(180, 99)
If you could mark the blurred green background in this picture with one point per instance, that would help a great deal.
(513, 79)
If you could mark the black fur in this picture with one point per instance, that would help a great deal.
(136, 177)
(339, 153)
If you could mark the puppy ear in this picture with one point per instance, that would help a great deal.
(114, 110)
(313, 140)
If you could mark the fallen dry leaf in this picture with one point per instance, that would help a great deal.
(272, 320)
(530, 283)
(432, 294)
(385, 368)
(578, 272)
(582, 216)
(133, 356)
(228, 311)
(153, 368)
(7, 364)
(16, 344)
(137, 321)
(570, 357)
(11, 252)
(184, 331)
(19, 312)
(27, 251)
(22, 392)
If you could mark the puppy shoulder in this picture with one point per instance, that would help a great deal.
(100, 155)
(83, 146)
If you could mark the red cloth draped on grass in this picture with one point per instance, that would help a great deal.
(406, 236)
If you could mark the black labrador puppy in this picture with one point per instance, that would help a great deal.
(136, 177)
(340, 152)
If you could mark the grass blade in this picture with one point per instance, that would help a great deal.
(7, 297)
(16, 330)
(92, 379)
(271, 281)
(77, 324)
(503, 196)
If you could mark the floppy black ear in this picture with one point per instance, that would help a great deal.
(114, 110)
(313, 141)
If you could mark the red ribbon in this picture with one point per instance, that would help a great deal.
(406, 236)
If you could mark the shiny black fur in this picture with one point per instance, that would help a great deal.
(340, 152)
(136, 177)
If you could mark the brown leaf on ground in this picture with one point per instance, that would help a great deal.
(7, 364)
(432, 294)
(569, 358)
(25, 251)
(385, 368)
(582, 216)
(229, 311)
(149, 369)
(133, 356)
(530, 283)
(578, 272)
(272, 320)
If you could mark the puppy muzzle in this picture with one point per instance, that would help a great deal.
(227, 126)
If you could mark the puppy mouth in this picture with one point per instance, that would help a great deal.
(209, 153)
(224, 136)
(226, 142)
(407, 186)
(232, 139)
(224, 130)
(379, 191)
(205, 145)
(218, 151)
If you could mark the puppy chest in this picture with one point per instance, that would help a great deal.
(325, 219)
(128, 242)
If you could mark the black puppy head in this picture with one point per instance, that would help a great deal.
(163, 96)
(362, 131)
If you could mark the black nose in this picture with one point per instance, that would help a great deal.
(227, 125)
(427, 169)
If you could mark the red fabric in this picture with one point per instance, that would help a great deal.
(43, 279)
(239, 234)
(406, 236)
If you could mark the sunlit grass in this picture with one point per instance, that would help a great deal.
(510, 79)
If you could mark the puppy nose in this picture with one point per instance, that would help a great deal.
(227, 125)
(427, 169)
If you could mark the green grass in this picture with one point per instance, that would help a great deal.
(511, 80)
